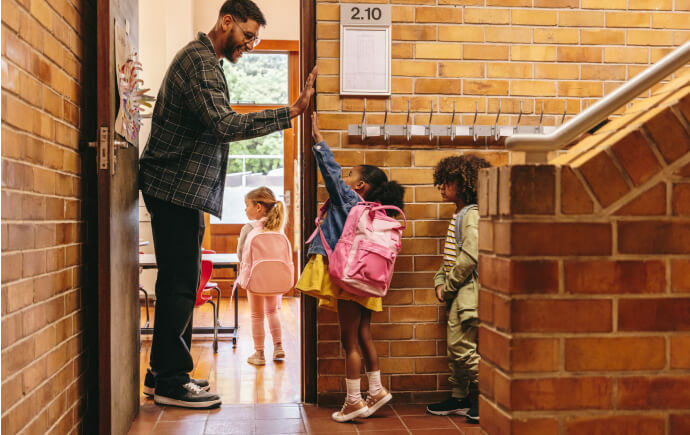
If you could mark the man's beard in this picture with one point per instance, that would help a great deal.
(230, 50)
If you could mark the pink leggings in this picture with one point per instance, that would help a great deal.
(268, 305)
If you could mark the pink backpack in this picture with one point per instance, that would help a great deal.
(266, 267)
(362, 261)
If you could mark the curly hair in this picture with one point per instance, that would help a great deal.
(464, 172)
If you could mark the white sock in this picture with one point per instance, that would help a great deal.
(375, 386)
(353, 393)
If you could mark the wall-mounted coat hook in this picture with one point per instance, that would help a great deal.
(384, 131)
(431, 114)
(452, 127)
(364, 120)
(408, 132)
(517, 126)
(496, 132)
(541, 116)
(474, 122)
(565, 110)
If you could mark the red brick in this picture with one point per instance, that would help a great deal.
(616, 425)
(636, 157)
(542, 238)
(658, 314)
(613, 354)
(486, 307)
(502, 312)
(680, 352)
(604, 178)
(486, 236)
(561, 393)
(574, 197)
(493, 420)
(495, 347)
(669, 135)
(518, 276)
(534, 355)
(650, 203)
(654, 237)
(680, 275)
(528, 189)
(658, 392)
(427, 331)
(536, 426)
(615, 276)
(413, 280)
(416, 313)
(486, 378)
(561, 315)
(413, 382)
(389, 332)
(679, 424)
(681, 199)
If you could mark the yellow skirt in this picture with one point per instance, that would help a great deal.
(315, 281)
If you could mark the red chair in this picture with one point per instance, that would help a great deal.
(202, 298)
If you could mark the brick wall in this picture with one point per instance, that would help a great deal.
(43, 353)
(585, 266)
(467, 51)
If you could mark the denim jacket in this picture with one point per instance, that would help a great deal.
(342, 199)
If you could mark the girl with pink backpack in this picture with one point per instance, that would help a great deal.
(266, 269)
(363, 183)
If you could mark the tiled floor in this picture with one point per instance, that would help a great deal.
(262, 400)
(293, 419)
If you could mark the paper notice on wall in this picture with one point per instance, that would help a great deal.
(365, 60)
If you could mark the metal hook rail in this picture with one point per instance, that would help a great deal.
(429, 131)
(538, 146)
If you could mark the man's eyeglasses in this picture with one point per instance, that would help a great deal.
(249, 37)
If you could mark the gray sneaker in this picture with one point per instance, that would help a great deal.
(188, 395)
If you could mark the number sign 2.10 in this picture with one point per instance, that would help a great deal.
(365, 49)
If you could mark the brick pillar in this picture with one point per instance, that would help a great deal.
(585, 273)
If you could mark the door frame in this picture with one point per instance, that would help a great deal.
(308, 202)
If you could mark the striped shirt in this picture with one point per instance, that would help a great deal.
(450, 249)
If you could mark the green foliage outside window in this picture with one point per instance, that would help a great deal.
(262, 79)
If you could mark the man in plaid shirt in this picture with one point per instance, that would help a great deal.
(182, 175)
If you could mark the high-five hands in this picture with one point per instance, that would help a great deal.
(302, 102)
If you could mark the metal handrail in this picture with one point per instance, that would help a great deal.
(537, 146)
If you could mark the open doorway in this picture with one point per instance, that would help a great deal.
(266, 78)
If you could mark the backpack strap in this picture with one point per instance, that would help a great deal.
(458, 224)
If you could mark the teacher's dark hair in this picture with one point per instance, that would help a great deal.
(243, 10)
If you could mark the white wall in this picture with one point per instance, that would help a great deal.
(282, 17)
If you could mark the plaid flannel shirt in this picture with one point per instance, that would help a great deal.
(185, 159)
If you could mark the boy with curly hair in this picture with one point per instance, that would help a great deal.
(456, 283)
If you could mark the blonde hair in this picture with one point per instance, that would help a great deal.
(275, 210)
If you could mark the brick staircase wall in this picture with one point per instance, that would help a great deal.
(467, 51)
(585, 273)
(43, 315)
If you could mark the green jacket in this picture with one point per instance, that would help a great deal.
(461, 283)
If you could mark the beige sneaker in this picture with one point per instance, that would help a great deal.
(257, 359)
(374, 403)
(350, 411)
(278, 352)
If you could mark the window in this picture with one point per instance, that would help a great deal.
(258, 81)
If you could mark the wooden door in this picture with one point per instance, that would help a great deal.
(118, 232)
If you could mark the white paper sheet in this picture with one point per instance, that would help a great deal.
(365, 65)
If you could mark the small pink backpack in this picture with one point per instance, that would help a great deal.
(363, 259)
(266, 267)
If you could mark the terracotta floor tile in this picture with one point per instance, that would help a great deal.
(318, 411)
(277, 412)
(229, 427)
(427, 422)
(171, 413)
(141, 428)
(385, 432)
(385, 411)
(232, 412)
(410, 409)
(289, 426)
(437, 432)
(380, 423)
(179, 428)
(327, 425)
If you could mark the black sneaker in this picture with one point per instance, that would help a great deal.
(450, 406)
(472, 415)
(150, 383)
(188, 395)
